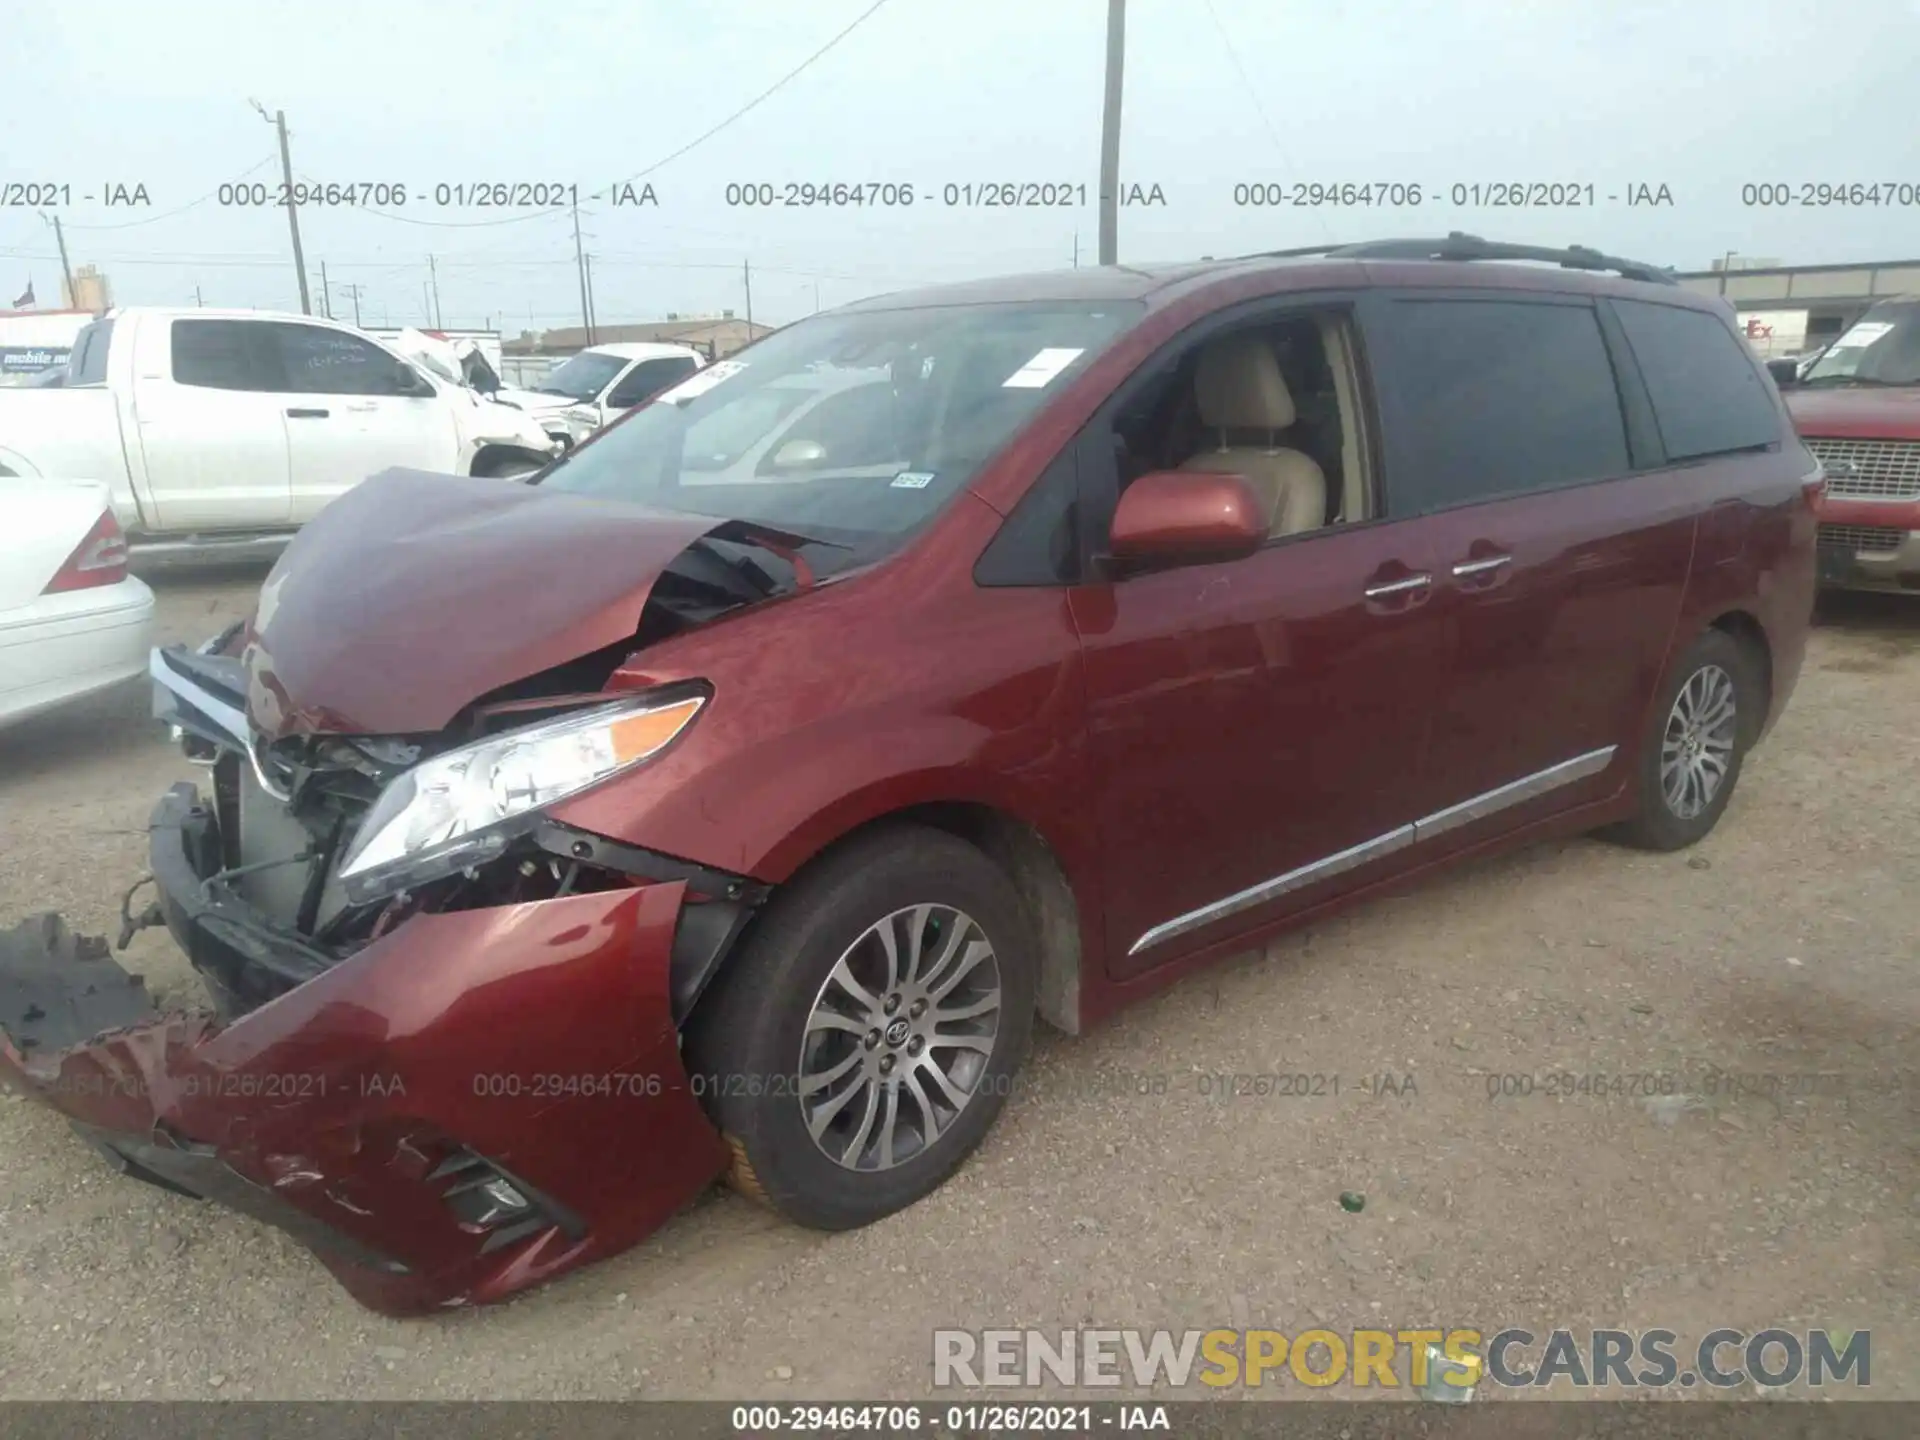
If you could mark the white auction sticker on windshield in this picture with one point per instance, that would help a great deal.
(1041, 369)
(912, 480)
(704, 380)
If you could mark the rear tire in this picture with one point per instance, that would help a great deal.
(816, 1051)
(1704, 723)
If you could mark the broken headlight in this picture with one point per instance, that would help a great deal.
(465, 806)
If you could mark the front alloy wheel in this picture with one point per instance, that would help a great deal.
(862, 1040)
(898, 1037)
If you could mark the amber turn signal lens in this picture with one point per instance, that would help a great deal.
(638, 736)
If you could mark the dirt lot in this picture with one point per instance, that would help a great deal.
(1783, 947)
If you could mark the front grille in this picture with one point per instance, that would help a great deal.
(1863, 539)
(1870, 469)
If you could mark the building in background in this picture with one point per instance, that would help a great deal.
(715, 336)
(89, 291)
(1816, 302)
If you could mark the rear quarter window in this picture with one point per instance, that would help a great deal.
(1707, 394)
(218, 355)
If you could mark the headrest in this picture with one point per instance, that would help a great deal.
(1238, 386)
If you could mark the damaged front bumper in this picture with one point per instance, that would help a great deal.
(473, 1102)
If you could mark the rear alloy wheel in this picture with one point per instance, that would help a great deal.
(1703, 727)
(862, 1042)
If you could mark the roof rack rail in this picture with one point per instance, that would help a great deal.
(1460, 246)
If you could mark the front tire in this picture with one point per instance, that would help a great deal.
(863, 1041)
(1705, 721)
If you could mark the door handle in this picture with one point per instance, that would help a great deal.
(1481, 566)
(1383, 589)
(306, 414)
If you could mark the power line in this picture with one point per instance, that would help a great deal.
(190, 205)
(701, 139)
(602, 258)
(1253, 95)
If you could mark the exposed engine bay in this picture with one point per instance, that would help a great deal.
(283, 812)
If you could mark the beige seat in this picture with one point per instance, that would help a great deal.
(1238, 386)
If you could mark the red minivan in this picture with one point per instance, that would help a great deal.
(731, 798)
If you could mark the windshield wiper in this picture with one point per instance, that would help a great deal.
(714, 549)
(1851, 380)
(736, 574)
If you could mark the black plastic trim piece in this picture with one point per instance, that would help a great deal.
(567, 843)
(701, 941)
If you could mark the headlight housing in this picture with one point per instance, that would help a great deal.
(464, 807)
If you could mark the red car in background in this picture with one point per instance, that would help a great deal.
(572, 844)
(1857, 406)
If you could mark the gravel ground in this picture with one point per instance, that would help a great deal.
(1778, 948)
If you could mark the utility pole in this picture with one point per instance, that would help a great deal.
(60, 238)
(198, 303)
(580, 265)
(746, 273)
(1076, 249)
(326, 292)
(1110, 133)
(434, 277)
(279, 121)
(593, 317)
(354, 291)
(426, 302)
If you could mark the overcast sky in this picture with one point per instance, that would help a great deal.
(1701, 96)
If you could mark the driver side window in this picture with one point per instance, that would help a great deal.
(648, 379)
(1272, 401)
(318, 361)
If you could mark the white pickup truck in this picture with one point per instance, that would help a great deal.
(225, 430)
(599, 384)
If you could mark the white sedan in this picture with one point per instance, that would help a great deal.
(72, 620)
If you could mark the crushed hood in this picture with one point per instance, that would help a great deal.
(1857, 412)
(414, 594)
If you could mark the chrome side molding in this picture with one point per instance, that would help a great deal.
(1273, 889)
(1491, 802)
(1525, 788)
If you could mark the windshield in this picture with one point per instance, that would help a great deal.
(1883, 348)
(851, 429)
(582, 377)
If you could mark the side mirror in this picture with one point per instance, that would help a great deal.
(1186, 516)
(1785, 372)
